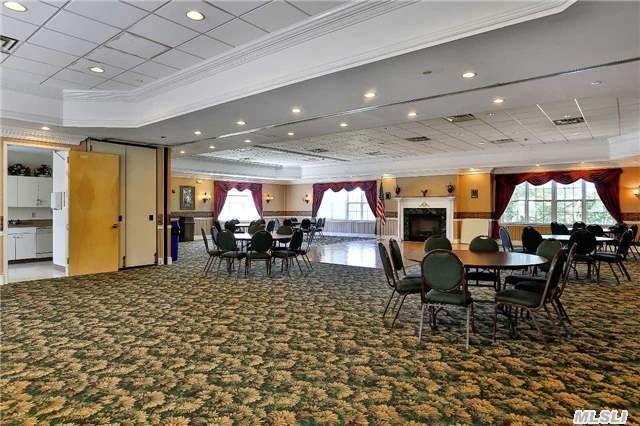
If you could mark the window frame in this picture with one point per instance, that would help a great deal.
(362, 204)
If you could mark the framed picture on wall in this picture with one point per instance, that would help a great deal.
(474, 193)
(187, 197)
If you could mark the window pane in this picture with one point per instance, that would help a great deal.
(239, 205)
(345, 205)
(596, 212)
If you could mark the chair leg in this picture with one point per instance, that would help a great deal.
(309, 262)
(495, 321)
(614, 272)
(398, 311)
(298, 262)
(466, 345)
(535, 323)
(388, 303)
(563, 311)
(624, 269)
(421, 322)
(560, 318)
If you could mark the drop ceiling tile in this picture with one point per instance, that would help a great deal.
(81, 27)
(114, 13)
(114, 57)
(68, 85)
(315, 7)
(15, 28)
(78, 77)
(133, 78)
(163, 31)
(28, 65)
(177, 59)
(136, 45)
(149, 5)
(41, 54)
(275, 15)
(204, 47)
(237, 7)
(37, 12)
(236, 33)
(3, 56)
(62, 42)
(153, 69)
(14, 78)
(82, 65)
(177, 12)
(113, 85)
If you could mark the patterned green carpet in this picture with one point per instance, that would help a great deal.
(165, 345)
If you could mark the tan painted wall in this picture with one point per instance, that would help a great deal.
(295, 198)
(483, 183)
(279, 194)
(629, 183)
(202, 186)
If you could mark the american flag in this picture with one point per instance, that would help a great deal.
(380, 206)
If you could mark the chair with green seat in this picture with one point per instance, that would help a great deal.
(211, 251)
(397, 261)
(230, 251)
(444, 285)
(505, 239)
(618, 258)
(546, 249)
(531, 239)
(586, 245)
(304, 252)
(255, 227)
(531, 302)
(403, 286)
(484, 244)
(259, 249)
(436, 242)
(288, 254)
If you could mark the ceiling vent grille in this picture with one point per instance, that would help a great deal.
(418, 139)
(374, 153)
(502, 141)
(460, 118)
(8, 44)
(568, 121)
(318, 150)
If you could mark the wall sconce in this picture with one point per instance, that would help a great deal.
(268, 198)
(205, 197)
(636, 192)
(306, 198)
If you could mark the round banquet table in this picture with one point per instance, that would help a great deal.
(245, 236)
(565, 238)
(497, 260)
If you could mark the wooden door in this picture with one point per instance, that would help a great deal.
(94, 205)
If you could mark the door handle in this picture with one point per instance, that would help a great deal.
(114, 226)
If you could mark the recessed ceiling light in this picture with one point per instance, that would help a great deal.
(197, 133)
(412, 114)
(296, 110)
(15, 6)
(247, 140)
(472, 170)
(469, 74)
(426, 72)
(370, 95)
(45, 128)
(212, 147)
(290, 133)
(195, 15)
(537, 165)
(498, 100)
(240, 123)
(96, 69)
(343, 124)
(181, 152)
(481, 143)
(596, 83)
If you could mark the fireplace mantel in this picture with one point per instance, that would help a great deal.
(447, 203)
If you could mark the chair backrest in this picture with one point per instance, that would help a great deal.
(624, 243)
(262, 221)
(271, 225)
(257, 226)
(567, 270)
(548, 250)
(579, 225)
(305, 224)
(505, 238)
(261, 241)
(442, 271)
(296, 240)
(634, 231)
(386, 265)
(284, 230)
(555, 228)
(216, 224)
(618, 229)
(214, 234)
(204, 238)
(294, 220)
(310, 236)
(227, 241)
(436, 242)
(287, 222)
(396, 256)
(483, 244)
(230, 225)
(531, 239)
(596, 230)
(556, 270)
(562, 229)
(585, 241)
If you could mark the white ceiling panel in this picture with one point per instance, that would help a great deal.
(69, 85)
(37, 12)
(114, 57)
(177, 12)
(11, 76)
(133, 78)
(40, 54)
(236, 33)
(136, 45)
(79, 77)
(177, 59)
(28, 65)
(204, 47)
(113, 85)
(149, 5)
(237, 7)
(274, 16)
(82, 65)
(163, 31)
(315, 7)
(15, 28)
(153, 69)
(114, 13)
(81, 27)
(62, 42)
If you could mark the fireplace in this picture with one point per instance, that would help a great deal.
(422, 223)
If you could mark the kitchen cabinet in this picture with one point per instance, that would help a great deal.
(29, 191)
(21, 243)
(12, 191)
(44, 242)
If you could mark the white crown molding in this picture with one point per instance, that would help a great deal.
(11, 132)
(324, 44)
(232, 169)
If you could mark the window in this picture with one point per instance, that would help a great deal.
(345, 205)
(555, 202)
(239, 205)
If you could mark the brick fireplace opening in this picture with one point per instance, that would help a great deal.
(422, 223)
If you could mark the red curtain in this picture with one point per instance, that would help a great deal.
(606, 181)
(220, 194)
(368, 186)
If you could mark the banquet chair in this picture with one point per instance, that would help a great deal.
(211, 251)
(403, 286)
(288, 254)
(230, 252)
(259, 249)
(484, 244)
(397, 261)
(586, 246)
(436, 242)
(617, 258)
(546, 249)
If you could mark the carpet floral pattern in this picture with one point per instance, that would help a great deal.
(166, 345)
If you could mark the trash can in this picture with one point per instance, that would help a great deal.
(187, 224)
(175, 236)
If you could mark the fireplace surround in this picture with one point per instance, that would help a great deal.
(421, 217)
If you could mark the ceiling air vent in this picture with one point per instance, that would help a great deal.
(8, 43)
(502, 141)
(318, 150)
(418, 139)
(568, 121)
(460, 118)
(374, 153)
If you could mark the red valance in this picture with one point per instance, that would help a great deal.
(368, 186)
(222, 187)
(606, 182)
